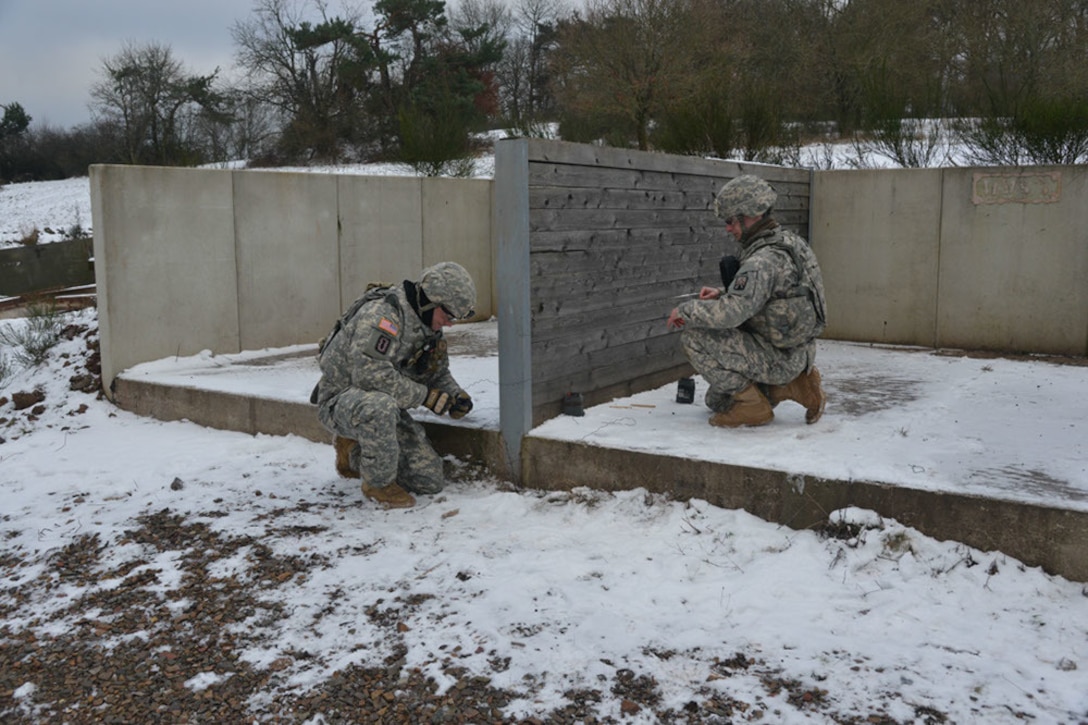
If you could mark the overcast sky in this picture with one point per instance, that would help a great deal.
(51, 51)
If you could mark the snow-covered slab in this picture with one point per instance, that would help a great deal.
(995, 427)
(1016, 430)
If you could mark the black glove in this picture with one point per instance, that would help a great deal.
(728, 266)
(438, 401)
(462, 404)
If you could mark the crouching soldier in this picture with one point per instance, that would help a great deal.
(385, 356)
(754, 341)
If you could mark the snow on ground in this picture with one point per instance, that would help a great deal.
(54, 208)
(542, 593)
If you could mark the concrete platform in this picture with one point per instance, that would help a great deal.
(989, 451)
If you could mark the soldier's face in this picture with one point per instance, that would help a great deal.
(733, 226)
(440, 319)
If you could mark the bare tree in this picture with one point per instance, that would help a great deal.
(146, 93)
(296, 66)
(525, 72)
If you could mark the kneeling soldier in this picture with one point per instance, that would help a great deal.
(384, 356)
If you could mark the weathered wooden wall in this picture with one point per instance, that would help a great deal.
(614, 237)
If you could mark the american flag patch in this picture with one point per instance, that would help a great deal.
(387, 325)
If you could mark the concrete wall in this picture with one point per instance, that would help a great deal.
(40, 267)
(189, 260)
(992, 259)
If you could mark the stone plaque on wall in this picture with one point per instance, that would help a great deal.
(1027, 187)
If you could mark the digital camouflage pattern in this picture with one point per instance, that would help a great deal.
(378, 363)
(449, 284)
(762, 328)
(745, 195)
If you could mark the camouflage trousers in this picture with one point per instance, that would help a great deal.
(731, 359)
(393, 447)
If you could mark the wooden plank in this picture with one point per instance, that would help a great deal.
(552, 407)
(611, 301)
(673, 221)
(614, 265)
(562, 316)
(575, 240)
(591, 219)
(636, 353)
(610, 367)
(588, 339)
(557, 197)
(544, 150)
(562, 176)
(547, 175)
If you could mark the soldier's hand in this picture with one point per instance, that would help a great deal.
(675, 321)
(462, 404)
(438, 401)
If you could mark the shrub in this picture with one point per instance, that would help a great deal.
(32, 341)
(29, 236)
(6, 368)
(1040, 131)
(910, 142)
(705, 126)
(435, 144)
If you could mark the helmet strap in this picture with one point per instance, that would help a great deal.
(419, 301)
(748, 232)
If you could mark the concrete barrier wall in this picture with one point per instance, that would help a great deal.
(165, 264)
(188, 260)
(45, 266)
(983, 258)
(1014, 260)
(877, 238)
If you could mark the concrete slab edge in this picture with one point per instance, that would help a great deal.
(1053, 539)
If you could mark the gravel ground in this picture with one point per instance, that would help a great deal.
(132, 655)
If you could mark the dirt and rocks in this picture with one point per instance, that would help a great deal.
(137, 650)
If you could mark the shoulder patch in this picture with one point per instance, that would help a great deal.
(381, 340)
(740, 282)
(382, 343)
(387, 325)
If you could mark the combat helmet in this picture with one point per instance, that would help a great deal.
(745, 195)
(449, 284)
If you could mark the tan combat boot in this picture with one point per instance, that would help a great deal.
(750, 407)
(390, 497)
(344, 447)
(804, 389)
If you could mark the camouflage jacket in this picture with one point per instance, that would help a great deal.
(778, 293)
(381, 344)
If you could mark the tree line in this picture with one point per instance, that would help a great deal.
(416, 81)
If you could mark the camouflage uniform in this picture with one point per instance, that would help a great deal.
(762, 329)
(379, 361)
